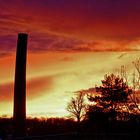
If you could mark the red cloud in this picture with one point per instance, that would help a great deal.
(61, 24)
(35, 88)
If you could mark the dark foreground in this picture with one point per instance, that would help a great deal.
(61, 129)
(102, 136)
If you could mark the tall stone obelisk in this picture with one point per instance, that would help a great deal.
(20, 87)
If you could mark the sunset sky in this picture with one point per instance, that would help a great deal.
(71, 45)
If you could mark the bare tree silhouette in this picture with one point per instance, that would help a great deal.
(77, 107)
(133, 81)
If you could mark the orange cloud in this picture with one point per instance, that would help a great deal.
(35, 88)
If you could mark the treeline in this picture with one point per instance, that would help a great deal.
(37, 127)
(50, 126)
(53, 126)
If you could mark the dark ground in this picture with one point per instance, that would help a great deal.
(84, 137)
(61, 129)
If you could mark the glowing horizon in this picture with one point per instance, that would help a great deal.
(51, 80)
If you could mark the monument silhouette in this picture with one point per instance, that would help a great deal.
(19, 115)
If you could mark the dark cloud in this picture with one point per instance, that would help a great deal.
(7, 43)
(52, 43)
(4, 54)
(34, 88)
(88, 15)
(68, 25)
(68, 59)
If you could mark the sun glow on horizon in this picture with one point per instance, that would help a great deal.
(53, 77)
